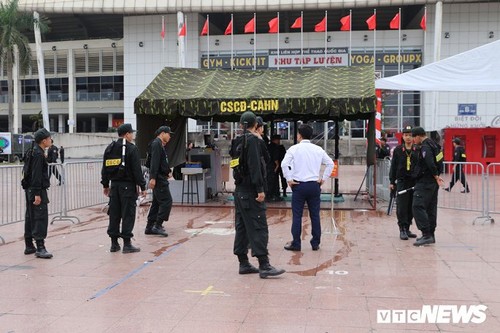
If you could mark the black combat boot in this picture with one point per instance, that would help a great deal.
(41, 251)
(402, 234)
(115, 246)
(30, 248)
(245, 266)
(149, 226)
(410, 234)
(426, 239)
(158, 230)
(128, 247)
(266, 270)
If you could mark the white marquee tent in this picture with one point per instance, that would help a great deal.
(474, 70)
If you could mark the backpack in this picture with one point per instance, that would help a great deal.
(26, 173)
(114, 159)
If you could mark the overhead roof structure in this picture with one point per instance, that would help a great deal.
(474, 70)
(209, 6)
(222, 95)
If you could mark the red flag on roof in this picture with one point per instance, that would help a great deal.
(250, 26)
(395, 22)
(204, 31)
(423, 22)
(321, 26)
(182, 32)
(297, 24)
(372, 22)
(346, 23)
(274, 25)
(162, 33)
(229, 29)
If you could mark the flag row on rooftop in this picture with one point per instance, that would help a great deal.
(321, 26)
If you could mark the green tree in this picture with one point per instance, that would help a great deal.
(13, 26)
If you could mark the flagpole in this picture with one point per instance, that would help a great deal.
(185, 37)
(208, 41)
(399, 41)
(232, 24)
(375, 41)
(254, 41)
(163, 40)
(350, 37)
(301, 38)
(326, 32)
(278, 40)
(425, 34)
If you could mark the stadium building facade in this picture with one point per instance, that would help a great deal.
(99, 58)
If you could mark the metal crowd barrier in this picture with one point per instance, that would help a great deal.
(73, 186)
(479, 192)
(493, 189)
(382, 181)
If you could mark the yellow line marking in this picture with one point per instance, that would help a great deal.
(205, 292)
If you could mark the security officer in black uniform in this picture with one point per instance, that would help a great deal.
(425, 195)
(123, 191)
(250, 210)
(404, 159)
(37, 215)
(158, 181)
(458, 171)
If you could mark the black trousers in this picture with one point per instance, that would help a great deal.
(425, 200)
(284, 183)
(404, 209)
(161, 205)
(250, 224)
(458, 174)
(36, 220)
(122, 204)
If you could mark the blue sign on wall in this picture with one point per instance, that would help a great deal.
(467, 109)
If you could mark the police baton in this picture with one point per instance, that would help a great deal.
(407, 190)
(391, 202)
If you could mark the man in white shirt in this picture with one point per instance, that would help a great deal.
(301, 167)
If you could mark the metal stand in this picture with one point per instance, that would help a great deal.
(335, 230)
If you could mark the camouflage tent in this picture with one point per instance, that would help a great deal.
(222, 95)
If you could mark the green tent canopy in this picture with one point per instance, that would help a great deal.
(334, 93)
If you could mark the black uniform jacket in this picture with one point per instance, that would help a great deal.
(159, 161)
(39, 171)
(399, 163)
(255, 172)
(133, 171)
(426, 163)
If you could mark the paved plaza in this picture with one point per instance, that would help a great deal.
(189, 281)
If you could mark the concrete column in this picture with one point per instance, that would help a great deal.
(110, 120)
(71, 92)
(92, 125)
(60, 123)
(17, 121)
(181, 41)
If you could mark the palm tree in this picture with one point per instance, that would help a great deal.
(12, 26)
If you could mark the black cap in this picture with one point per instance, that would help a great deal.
(407, 129)
(163, 129)
(124, 129)
(248, 118)
(260, 122)
(41, 134)
(457, 141)
(416, 131)
(276, 137)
